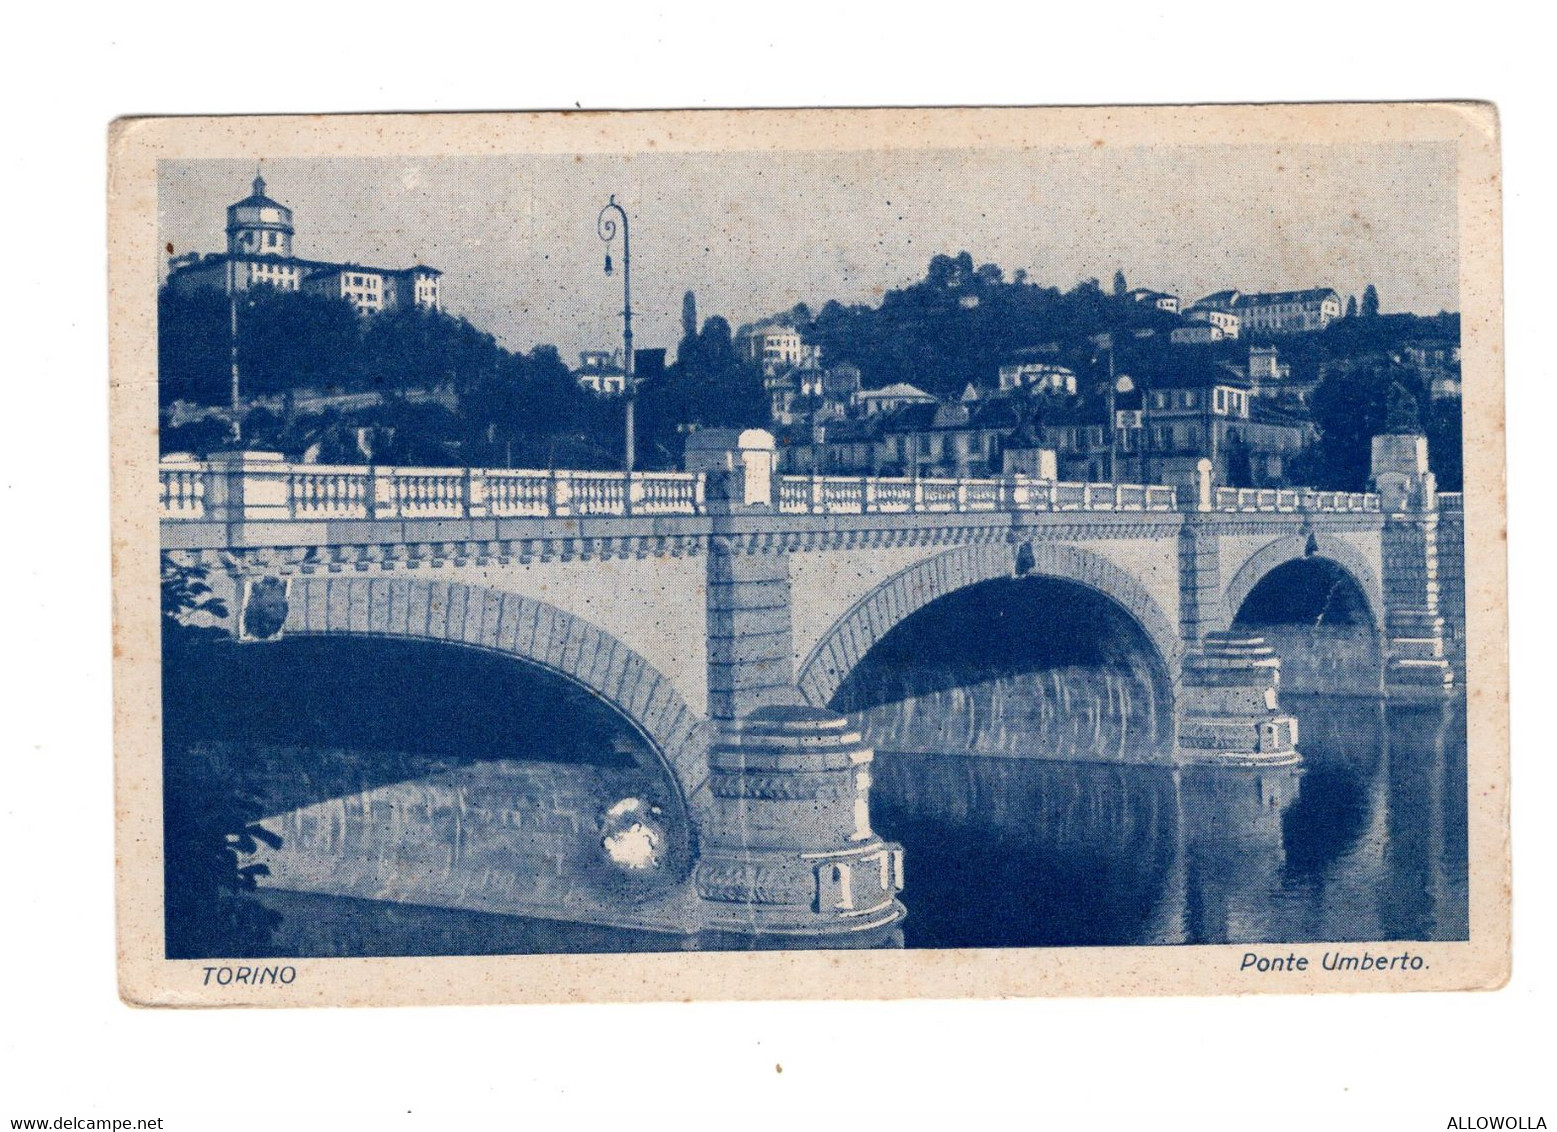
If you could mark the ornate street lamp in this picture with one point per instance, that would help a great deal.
(606, 226)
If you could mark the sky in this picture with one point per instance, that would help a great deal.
(753, 233)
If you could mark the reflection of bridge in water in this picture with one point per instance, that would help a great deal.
(1360, 843)
(726, 615)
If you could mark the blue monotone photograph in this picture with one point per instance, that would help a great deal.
(687, 548)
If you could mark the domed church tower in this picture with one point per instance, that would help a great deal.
(257, 225)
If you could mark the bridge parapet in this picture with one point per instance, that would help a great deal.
(1280, 500)
(888, 495)
(254, 486)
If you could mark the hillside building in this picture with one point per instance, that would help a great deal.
(812, 393)
(924, 439)
(1437, 361)
(259, 254)
(1160, 300)
(1275, 312)
(1196, 334)
(776, 349)
(1208, 324)
(890, 398)
(601, 371)
(1266, 367)
(1042, 377)
(1212, 413)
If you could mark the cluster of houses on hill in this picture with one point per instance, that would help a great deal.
(1248, 417)
(1032, 417)
(1222, 412)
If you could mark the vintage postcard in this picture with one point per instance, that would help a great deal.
(837, 554)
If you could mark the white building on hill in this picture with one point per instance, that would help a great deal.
(259, 254)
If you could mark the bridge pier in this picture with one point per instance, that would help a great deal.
(1228, 710)
(1226, 705)
(750, 639)
(788, 847)
(1415, 667)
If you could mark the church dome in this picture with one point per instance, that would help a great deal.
(258, 224)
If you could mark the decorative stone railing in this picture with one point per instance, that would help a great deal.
(880, 495)
(256, 486)
(1451, 502)
(1268, 499)
(259, 488)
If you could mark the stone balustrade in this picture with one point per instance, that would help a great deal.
(867, 495)
(259, 486)
(252, 486)
(1271, 499)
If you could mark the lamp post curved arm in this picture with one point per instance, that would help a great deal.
(612, 217)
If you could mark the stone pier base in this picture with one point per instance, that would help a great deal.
(789, 849)
(1229, 714)
(1416, 669)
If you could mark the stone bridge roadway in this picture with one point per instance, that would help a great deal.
(719, 610)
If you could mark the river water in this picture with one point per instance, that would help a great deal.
(1366, 841)
(1036, 808)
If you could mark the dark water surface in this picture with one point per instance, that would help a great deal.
(1366, 841)
(1011, 839)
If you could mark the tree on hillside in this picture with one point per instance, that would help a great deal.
(286, 340)
(192, 347)
(946, 272)
(709, 386)
(688, 316)
(290, 340)
(1351, 306)
(1351, 407)
(961, 322)
(1444, 423)
(531, 412)
(524, 409)
(1120, 286)
(1370, 301)
(712, 351)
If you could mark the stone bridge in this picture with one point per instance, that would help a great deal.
(719, 610)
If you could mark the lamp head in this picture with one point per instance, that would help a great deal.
(608, 263)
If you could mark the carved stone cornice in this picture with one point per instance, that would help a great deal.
(436, 555)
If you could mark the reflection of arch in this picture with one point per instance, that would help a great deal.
(857, 631)
(516, 626)
(1293, 547)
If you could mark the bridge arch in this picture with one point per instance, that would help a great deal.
(514, 625)
(1300, 546)
(853, 635)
